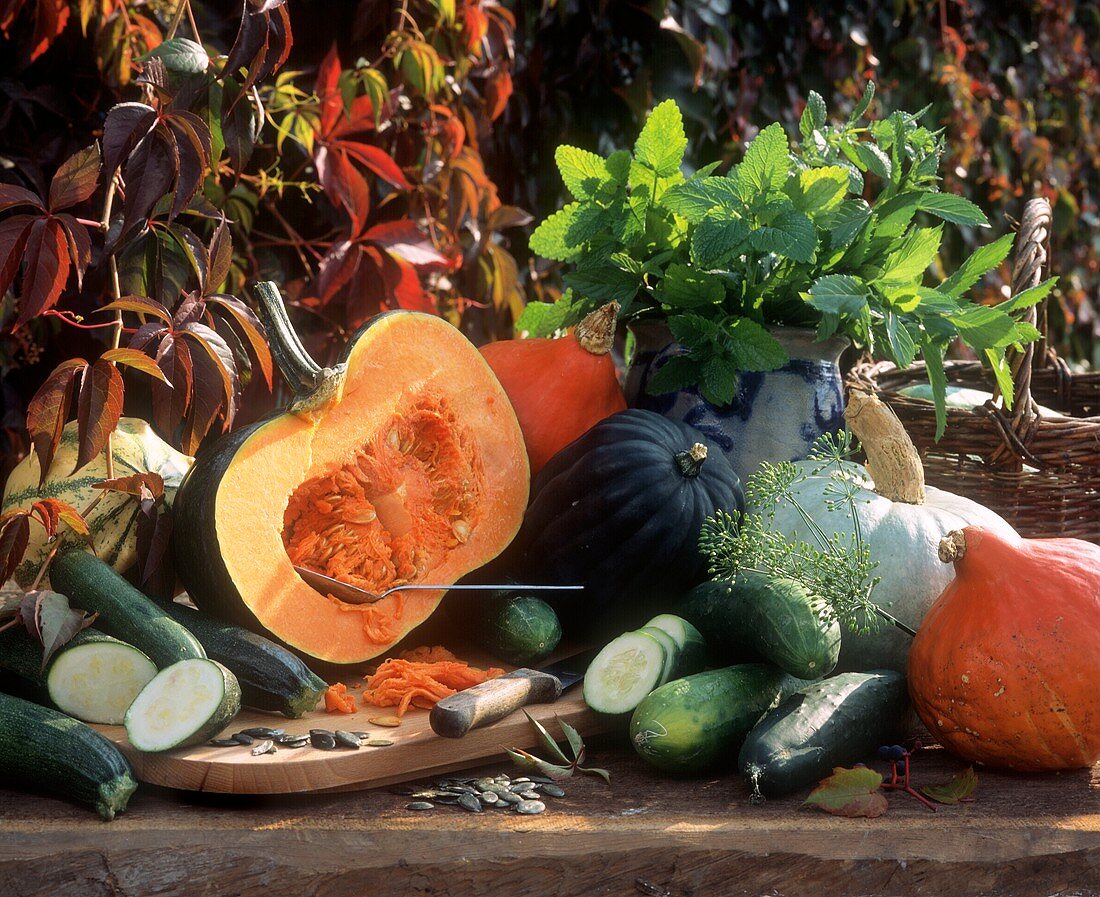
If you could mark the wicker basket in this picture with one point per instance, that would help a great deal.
(1040, 472)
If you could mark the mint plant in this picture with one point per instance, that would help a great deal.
(823, 235)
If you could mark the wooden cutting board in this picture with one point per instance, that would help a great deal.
(416, 751)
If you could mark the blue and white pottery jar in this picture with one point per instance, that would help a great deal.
(774, 415)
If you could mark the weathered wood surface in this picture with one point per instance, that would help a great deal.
(1021, 837)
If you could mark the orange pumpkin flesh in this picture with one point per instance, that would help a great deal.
(413, 471)
(1005, 665)
(560, 388)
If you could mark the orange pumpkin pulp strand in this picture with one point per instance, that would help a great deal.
(560, 388)
(401, 683)
(1004, 668)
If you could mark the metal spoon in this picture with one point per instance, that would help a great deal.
(354, 595)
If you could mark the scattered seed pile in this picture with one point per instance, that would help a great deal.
(264, 740)
(523, 794)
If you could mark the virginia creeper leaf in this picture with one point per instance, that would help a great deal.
(960, 788)
(76, 179)
(850, 792)
(48, 410)
(99, 408)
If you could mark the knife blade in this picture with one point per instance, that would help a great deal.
(494, 699)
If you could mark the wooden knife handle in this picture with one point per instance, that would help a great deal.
(453, 717)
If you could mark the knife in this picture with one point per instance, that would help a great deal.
(494, 699)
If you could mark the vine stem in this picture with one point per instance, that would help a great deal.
(177, 17)
(116, 289)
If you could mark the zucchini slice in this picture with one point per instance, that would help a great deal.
(96, 678)
(624, 672)
(186, 703)
(47, 752)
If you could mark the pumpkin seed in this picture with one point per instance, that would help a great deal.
(552, 790)
(521, 779)
(419, 805)
(519, 787)
(261, 732)
(322, 732)
(378, 742)
(542, 780)
(509, 797)
(362, 734)
(291, 738)
(529, 795)
(322, 740)
(264, 747)
(469, 802)
(389, 722)
(488, 797)
(484, 784)
(530, 807)
(346, 739)
(225, 742)
(241, 738)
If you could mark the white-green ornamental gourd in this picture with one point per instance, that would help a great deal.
(901, 520)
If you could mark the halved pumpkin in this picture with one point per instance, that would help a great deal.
(403, 464)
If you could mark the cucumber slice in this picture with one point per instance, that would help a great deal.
(96, 681)
(623, 673)
(186, 703)
(672, 651)
(693, 648)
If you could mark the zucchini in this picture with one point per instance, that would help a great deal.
(624, 672)
(834, 722)
(693, 648)
(271, 677)
(47, 752)
(690, 724)
(124, 612)
(517, 628)
(93, 677)
(186, 703)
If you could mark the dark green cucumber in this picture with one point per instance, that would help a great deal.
(124, 612)
(45, 751)
(712, 609)
(691, 724)
(271, 677)
(834, 722)
(517, 628)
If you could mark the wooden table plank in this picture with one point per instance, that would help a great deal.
(1022, 836)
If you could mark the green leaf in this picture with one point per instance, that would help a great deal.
(814, 115)
(960, 788)
(863, 104)
(1029, 297)
(618, 166)
(544, 318)
(684, 287)
(548, 740)
(933, 353)
(576, 743)
(840, 294)
(790, 235)
(590, 221)
(695, 199)
(913, 256)
(893, 216)
(715, 240)
(817, 190)
(982, 326)
(719, 383)
(52, 621)
(983, 260)
(662, 142)
(524, 760)
(583, 172)
(679, 372)
(850, 792)
(874, 160)
(899, 340)
(694, 331)
(752, 347)
(604, 284)
(550, 238)
(180, 55)
(1002, 373)
(845, 221)
(374, 83)
(766, 162)
(953, 208)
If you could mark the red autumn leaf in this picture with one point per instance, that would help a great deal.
(126, 125)
(146, 486)
(76, 179)
(344, 186)
(406, 289)
(48, 410)
(850, 792)
(80, 245)
(336, 269)
(221, 257)
(171, 405)
(11, 196)
(13, 241)
(248, 324)
(192, 137)
(263, 42)
(207, 399)
(98, 409)
(217, 351)
(50, 19)
(508, 216)
(149, 174)
(475, 25)
(15, 530)
(50, 511)
(142, 305)
(45, 270)
(242, 117)
(406, 240)
(328, 92)
(154, 530)
(497, 92)
(378, 161)
(132, 358)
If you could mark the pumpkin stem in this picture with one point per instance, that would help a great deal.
(691, 461)
(892, 459)
(596, 333)
(302, 373)
(952, 546)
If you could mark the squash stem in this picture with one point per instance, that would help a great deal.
(302, 373)
(892, 460)
(691, 461)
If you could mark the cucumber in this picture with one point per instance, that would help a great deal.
(92, 678)
(517, 628)
(623, 673)
(124, 612)
(271, 677)
(672, 652)
(693, 648)
(770, 617)
(835, 722)
(47, 752)
(186, 703)
(691, 724)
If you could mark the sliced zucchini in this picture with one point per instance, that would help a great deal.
(623, 673)
(186, 703)
(96, 678)
(693, 648)
(672, 651)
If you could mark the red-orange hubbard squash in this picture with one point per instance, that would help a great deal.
(1004, 668)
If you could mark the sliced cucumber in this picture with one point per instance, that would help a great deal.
(186, 703)
(97, 679)
(623, 673)
(693, 648)
(672, 651)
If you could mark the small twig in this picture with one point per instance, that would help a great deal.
(177, 17)
(42, 569)
(14, 621)
(191, 22)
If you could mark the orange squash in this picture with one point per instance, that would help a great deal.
(405, 463)
(1005, 666)
(560, 388)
